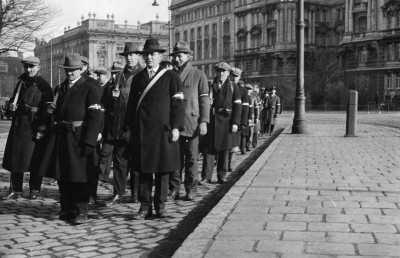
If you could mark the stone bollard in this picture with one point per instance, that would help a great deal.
(351, 115)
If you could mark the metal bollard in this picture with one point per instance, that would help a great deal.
(351, 115)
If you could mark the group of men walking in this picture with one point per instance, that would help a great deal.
(146, 121)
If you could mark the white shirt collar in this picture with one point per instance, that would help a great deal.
(73, 82)
(155, 69)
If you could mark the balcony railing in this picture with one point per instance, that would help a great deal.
(392, 32)
(360, 7)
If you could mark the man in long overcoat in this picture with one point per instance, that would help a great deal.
(27, 103)
(272, 107)
(115, 103)
(225, 118)
(70, 155)
(154, 116)
(197, 116)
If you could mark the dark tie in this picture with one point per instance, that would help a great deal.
(151, 74)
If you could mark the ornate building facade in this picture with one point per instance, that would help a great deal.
(371, 49)
(10, 69)
(98, 39)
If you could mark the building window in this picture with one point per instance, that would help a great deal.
(397, 81)
(227, 46)
(390, 52)
(101, 61)
(363, 56)
(388, 81)
(227, 28)
(185, 36)
(207, 70)
(3, 67)
(362, 24)
(199, 57)
(102, 45)
(214, 30)
(214, 48)
(191, 35)
(177, 36)
(206, 48)
(206, 32)
(120, 47)
(199, 33)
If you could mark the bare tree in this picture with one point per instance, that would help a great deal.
(20, 21)
(323, 66)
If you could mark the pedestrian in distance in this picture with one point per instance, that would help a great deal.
(154, 118)
(70, 155)
(115, 104)
(225, 118)
(27, 128)
(257, 110)
(272, 107)
(197, 116)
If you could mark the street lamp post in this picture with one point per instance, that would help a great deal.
(299, 126)
(155, 3)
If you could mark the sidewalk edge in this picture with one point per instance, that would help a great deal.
(199, 241)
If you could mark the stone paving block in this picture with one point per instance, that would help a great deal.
(391, 239)
(213, 254)
(284, 226)
(243, 245)
(88, 254)
(107, 255)
(356, 198)
(379, 249)
(245, 225)
(306, 256)
(25, 245)
(334, 227)
(382, 219)
(287, 210)
(362, 211)
(355, 238)
(304, 236)
(109, 250)
(249, 235)
(391, 212)
(255, 217)
(304, 217)
(284, 247)
(341, 218)
(302, 204)
(374, 228)
(316, 210)
(329, 248)
(341, 204)
(387, 205)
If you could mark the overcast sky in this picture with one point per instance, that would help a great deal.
(131, 10)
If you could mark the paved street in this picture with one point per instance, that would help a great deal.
(315, 195)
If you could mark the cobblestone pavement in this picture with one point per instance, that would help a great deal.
(26, 230)
(312, 195)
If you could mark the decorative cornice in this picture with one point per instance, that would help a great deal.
(391, 8)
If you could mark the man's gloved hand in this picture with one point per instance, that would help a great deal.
(51, 108)
(13, 107)
(203, 128)
(99, 137)
(38, 136)
(86, 150)
(234, 128)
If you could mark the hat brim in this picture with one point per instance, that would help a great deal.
(183, 51)
(73, 67)
(148, 51)
(29, 63)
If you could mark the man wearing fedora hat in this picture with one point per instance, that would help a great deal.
(154, 117)
(197, 116)
(27, 102)
(115, 104)
(225, 118)
(70, 155)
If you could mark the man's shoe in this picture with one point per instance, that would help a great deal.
(63, 215)
(12, 196)
(117, 199)
(172, 195)
(190, 196)
(204, 181)
(221, 180)
(81, 219)
(34, 194)
(141, 215)
(161, 214)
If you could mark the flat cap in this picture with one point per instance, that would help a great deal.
(100, 71)
(236, 71)
(248, 86)
(85, 60)
(32, 60)
(222, 66)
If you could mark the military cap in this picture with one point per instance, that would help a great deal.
(248, 86)
(31, 60)
(181, 47)
(222, 66)
(100, 71)
(236, 71)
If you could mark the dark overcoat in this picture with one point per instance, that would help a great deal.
(115, 107)
(63, 159)
(244, 116)
(197, 100)
(26, 122)
(161, 110)
(226, 110)
(272, 106)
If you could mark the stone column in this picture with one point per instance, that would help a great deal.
(313, 28)
(278, 27)
(346, 17)
(294, 17)
(290, 25)
(369, 17)
(309, 25)
(351, 16)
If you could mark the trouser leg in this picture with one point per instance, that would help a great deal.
(242, 144)
(230, 157)
(145, 187)
(16, 182)
(271, 130)
(191, 167)
(222, 164)
(134, 183)
(250, 137)
(81, 197)
(121, 167)
(35, 182)
(105, 160)
(255, 139)
(175, 179)
(160, 190)
(66, 197)
(208, 165)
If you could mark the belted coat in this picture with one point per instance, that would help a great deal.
(63, 158)
(26, 122)
(272, 105)
(151, 121)
(226, 110)
(196, 98)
